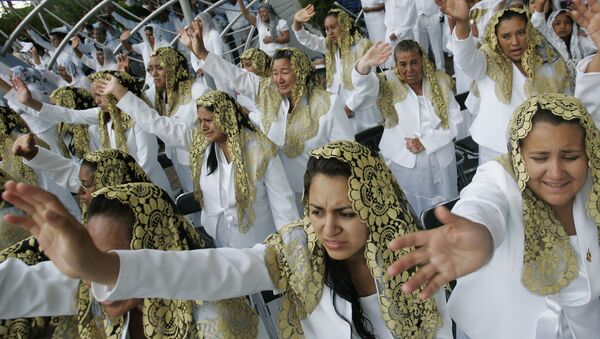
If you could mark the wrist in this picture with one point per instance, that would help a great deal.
(108, 273)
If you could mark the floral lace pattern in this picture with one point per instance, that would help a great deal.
(260, 60)
(73, 98)
(178, 87)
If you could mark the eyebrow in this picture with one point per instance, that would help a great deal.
(336, 210)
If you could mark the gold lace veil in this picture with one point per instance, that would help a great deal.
(121, 120)
(309, 104)
(350, 35)
(392, 89)
(73, 98)
(539, 52)
(296, 259)
(260, 60)
(549, 261)
(178, 83)
(250, 150)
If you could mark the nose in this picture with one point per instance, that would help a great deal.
(330, 226)
(556, 170)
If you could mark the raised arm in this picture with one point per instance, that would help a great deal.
(588, 17)
(280, 194)
(64, 172)
(124, 39)
(366, 85)
(309, 40)
(222, 273)
(171, 132)
(247, 83)
(246, 13)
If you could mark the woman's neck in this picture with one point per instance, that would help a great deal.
(226, 153)
(417, 88)
(564, 214)
(361, 275)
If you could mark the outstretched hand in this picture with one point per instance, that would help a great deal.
(447, 252)
(588, 17)
(122, 62)
(64, 240)
(24, 94)
(191, 37)
(305, 14)
(375, 56)
(110, 86)
(457, 9)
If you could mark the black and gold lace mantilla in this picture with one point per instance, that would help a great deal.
(295, 258)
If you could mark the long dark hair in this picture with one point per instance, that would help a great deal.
(337, 274)
(243, 122)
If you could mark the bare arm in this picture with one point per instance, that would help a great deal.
(588, 17)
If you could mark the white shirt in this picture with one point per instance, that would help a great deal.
(264, 31)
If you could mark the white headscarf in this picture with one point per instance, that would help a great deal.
(576, 52)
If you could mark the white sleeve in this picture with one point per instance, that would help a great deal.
(34, 291)
(586, 89)
(468, 57)
(311, 41)
(64, 172)
(246, 82)
(280, 194)
(538, 20)
(366, 90)
(282, 26)
(71, 116)
(205, 274)
(39, 40)
(172, 133)
(147, 149)
(484, 200)
(138, 48)
(129, 24)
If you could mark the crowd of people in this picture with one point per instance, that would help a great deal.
(304, 229)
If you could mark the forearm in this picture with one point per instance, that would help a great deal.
(462, 29)
(206, 274)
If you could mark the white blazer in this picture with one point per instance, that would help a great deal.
(492, 302)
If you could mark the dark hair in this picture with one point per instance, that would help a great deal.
(544, 115)
(509, 14)
(244, 122)
(90, 164)
(407, 45)
(337, 274)
(149, 29)
(59, 35)
(112, 208)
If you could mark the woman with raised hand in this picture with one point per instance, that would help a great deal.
(296, 115)
(116, 128)
(343, 45)
(273, 32)
(515, 62)
(132, 216)
(526, 229)
(235, 169)
(172, 95)
(420, 114)
(329, 266)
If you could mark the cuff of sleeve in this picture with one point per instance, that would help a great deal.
(455, 39)
(104, 292)
(126, 102)
(478, 214)
(582, 67)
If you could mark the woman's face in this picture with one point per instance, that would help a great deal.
(149, 36)
(563, 25)
(263, 13)
(159, 74)
(247, 65)
(87, 184)
(109, 233)
(332, 28)
(410, 67)
(209, 128)
(556, 162)
(283, 76)
(100, 57)
(336, 224)
(512, 37)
